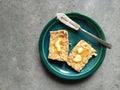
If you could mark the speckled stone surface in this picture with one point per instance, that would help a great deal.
(21, 22)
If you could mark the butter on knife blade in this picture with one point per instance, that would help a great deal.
(67, 21)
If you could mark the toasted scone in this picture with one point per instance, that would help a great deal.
(80, 55)
(58, 46)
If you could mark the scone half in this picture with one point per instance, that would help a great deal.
(80, 55)
(58, 46)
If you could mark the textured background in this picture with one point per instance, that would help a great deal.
(21, 22)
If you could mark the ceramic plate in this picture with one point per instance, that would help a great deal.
(61, 69)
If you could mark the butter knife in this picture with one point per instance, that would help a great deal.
(70, 23)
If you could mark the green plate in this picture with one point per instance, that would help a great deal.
(61, 69)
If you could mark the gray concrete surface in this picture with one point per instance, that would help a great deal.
(21, 22)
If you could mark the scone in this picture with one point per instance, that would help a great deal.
(80, 55)
(58, 46)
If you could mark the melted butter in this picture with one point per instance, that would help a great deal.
(80, 50)
(57, 44)
(77, 58)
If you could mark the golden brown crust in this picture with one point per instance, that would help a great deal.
(58, 46)
(80, 55)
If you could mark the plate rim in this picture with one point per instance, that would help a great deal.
(60, 74)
